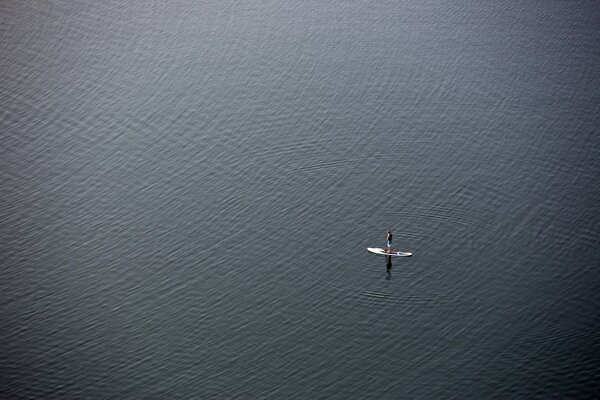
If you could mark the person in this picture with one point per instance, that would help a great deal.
(389, 240)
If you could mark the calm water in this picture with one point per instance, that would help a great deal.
(188, 190)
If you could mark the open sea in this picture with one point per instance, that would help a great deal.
(188, 189)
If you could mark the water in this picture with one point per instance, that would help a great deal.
(189, 188)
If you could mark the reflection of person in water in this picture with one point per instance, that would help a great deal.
(388, 264)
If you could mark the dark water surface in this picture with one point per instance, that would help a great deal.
(188, 190)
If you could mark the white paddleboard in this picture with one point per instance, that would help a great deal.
(377, 250)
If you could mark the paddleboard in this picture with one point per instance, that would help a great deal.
(377, 250)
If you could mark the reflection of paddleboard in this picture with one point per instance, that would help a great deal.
(377, 250)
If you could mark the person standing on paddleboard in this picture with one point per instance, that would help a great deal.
(389, 240)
